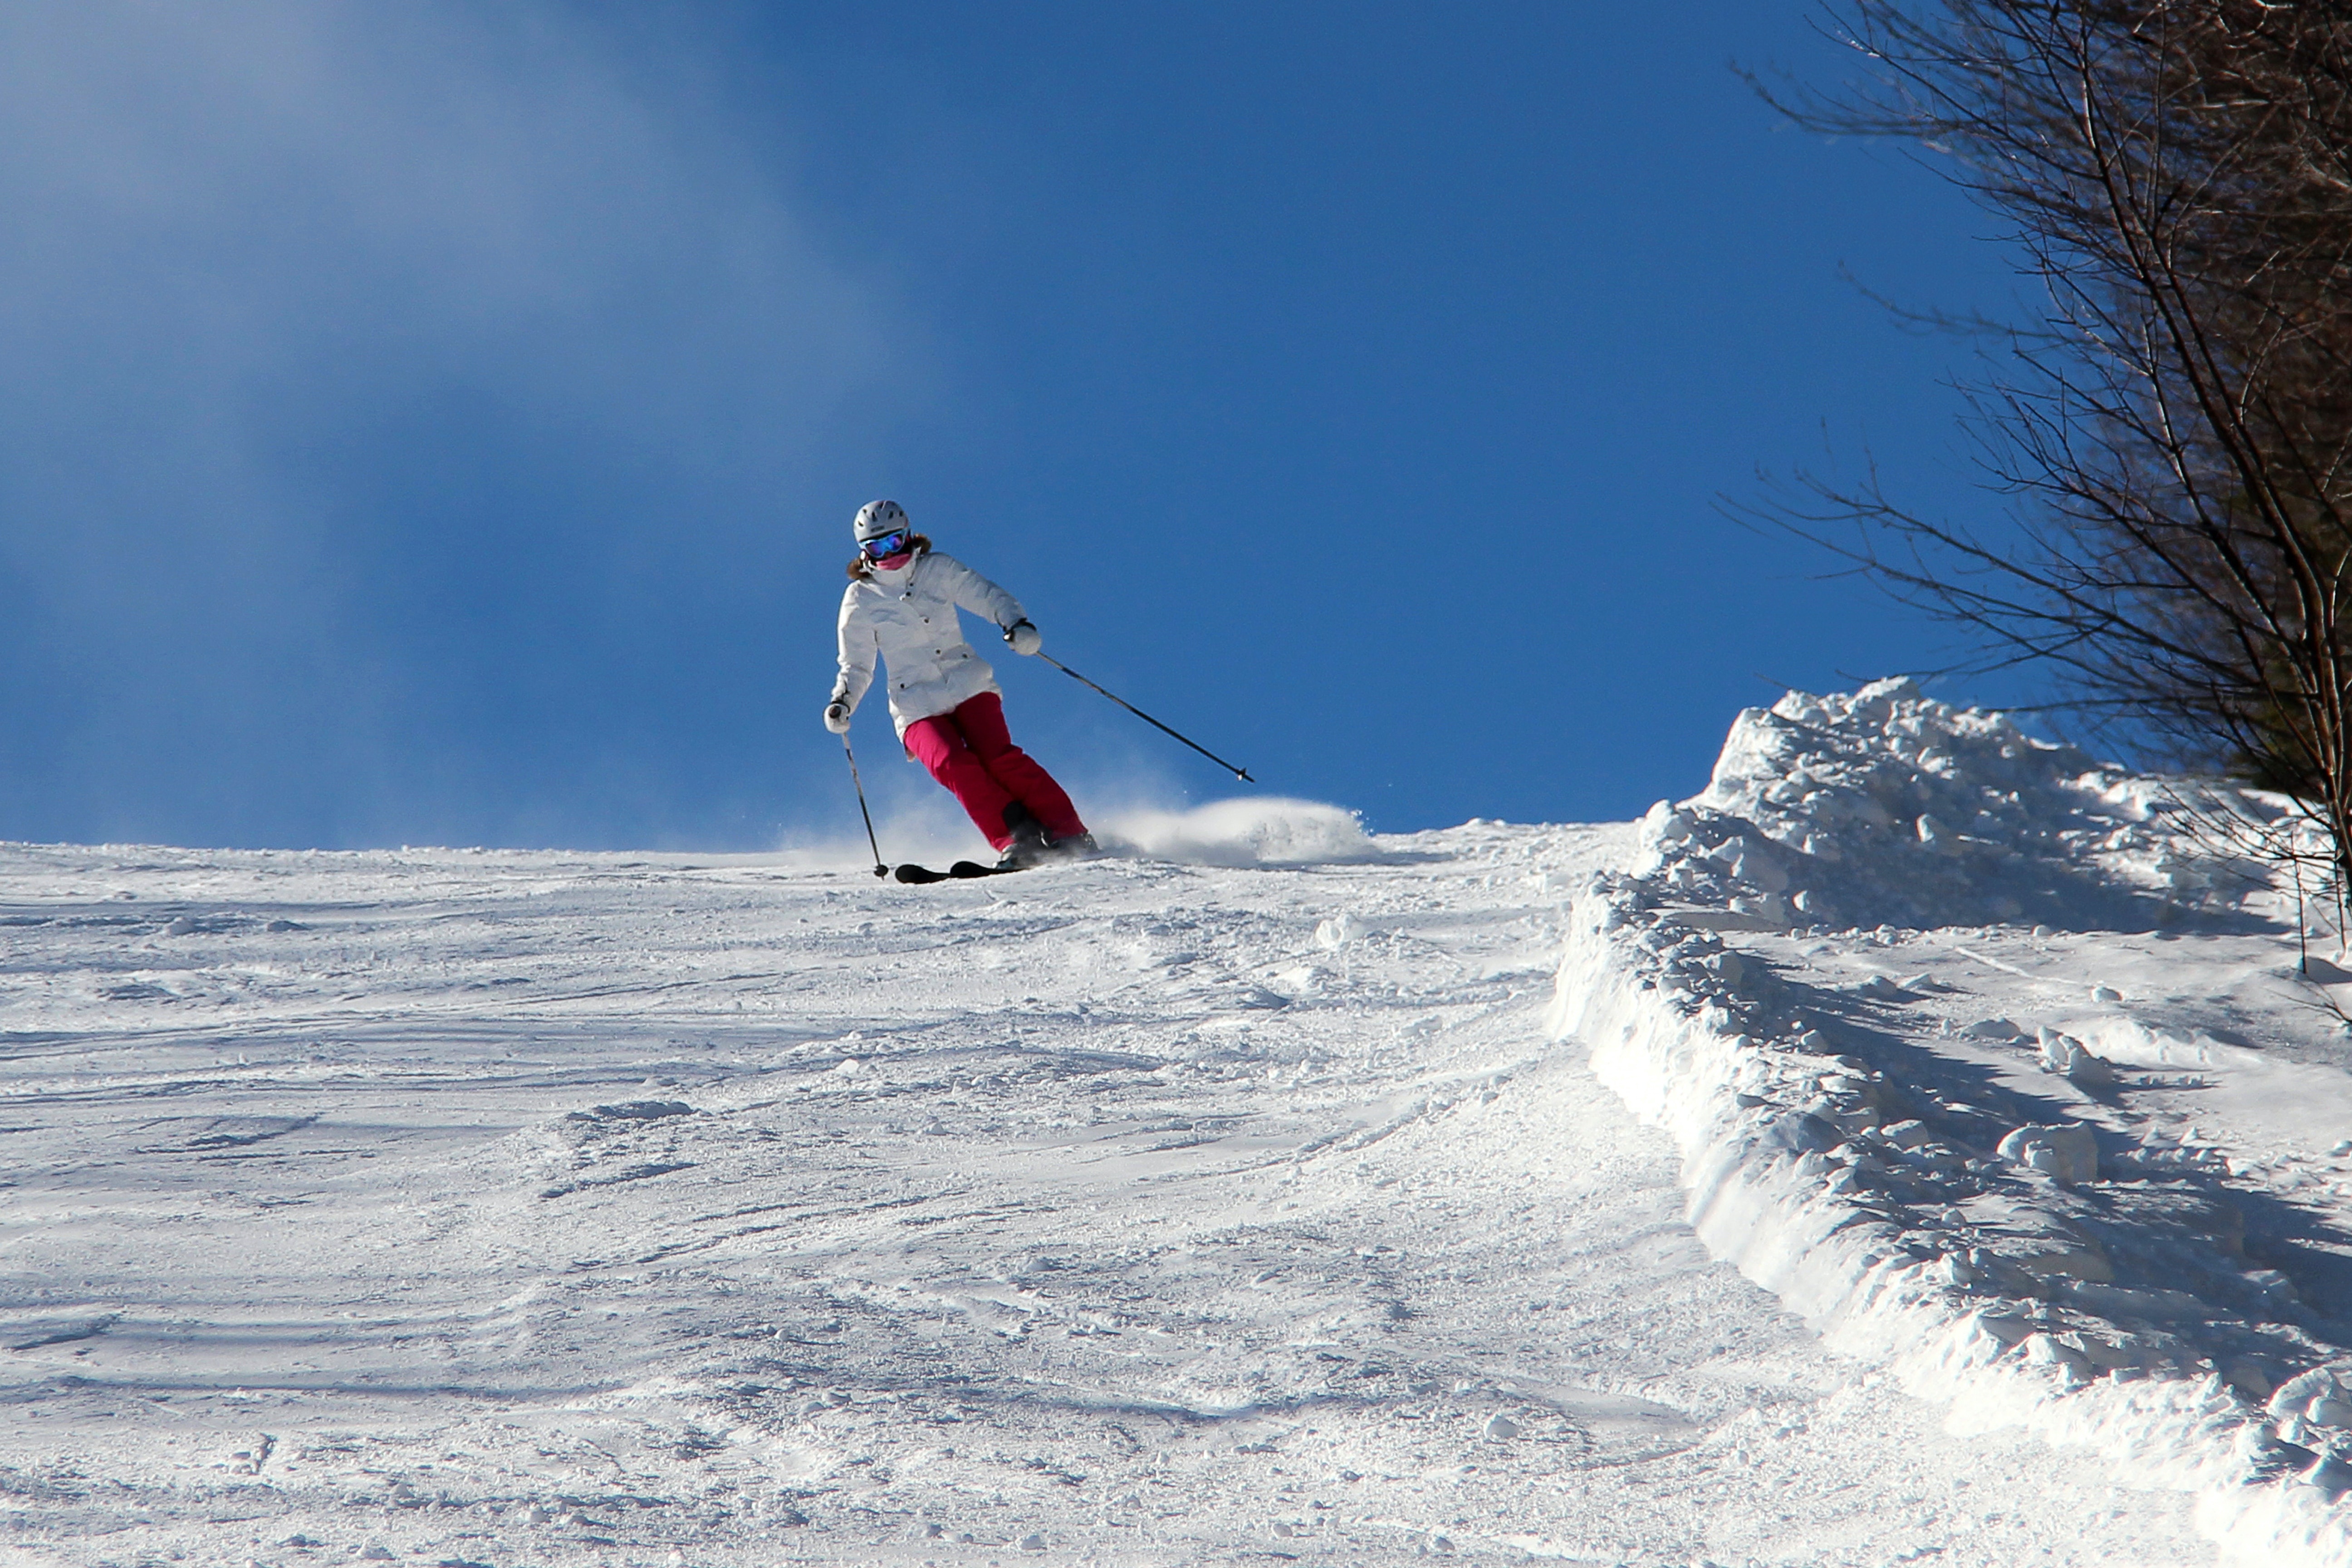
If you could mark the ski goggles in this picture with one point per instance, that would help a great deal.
(889, 544)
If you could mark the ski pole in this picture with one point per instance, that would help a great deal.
(1240, 774)
(879, 868)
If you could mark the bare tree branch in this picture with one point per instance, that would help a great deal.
(2170, 438)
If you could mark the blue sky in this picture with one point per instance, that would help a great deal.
(440, 423)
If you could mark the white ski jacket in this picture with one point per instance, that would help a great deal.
(909, 618)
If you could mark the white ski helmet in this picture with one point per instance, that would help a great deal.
(878, 518)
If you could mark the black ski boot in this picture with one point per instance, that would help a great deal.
(1030, 843)
(1076, 847)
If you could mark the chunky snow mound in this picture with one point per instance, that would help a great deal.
(2050, 1276)
(1886, 807)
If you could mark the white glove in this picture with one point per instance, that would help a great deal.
(1023, 638)
(836, 716)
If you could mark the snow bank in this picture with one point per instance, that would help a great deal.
(1884, 807)
(2027, 1275)
(1262, 830)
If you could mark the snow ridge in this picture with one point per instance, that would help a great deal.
(2042, 1276)
(1251, 830)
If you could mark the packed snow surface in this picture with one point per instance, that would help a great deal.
(1226, 1199)
(2002, 1069)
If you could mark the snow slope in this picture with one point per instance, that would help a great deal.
(1225, 1202)
(1997, 1066)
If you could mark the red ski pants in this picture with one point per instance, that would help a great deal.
(971, 752)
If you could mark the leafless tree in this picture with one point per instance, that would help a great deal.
(2173, 433)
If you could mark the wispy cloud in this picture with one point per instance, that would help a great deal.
(379, 385)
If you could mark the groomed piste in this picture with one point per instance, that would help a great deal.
(1265, 1191)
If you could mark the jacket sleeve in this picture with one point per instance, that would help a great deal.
(977, 594)
(860, 645)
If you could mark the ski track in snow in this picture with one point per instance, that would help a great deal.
(505, 1208)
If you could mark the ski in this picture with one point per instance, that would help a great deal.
(963, 870)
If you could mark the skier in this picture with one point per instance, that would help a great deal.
(901, 603)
